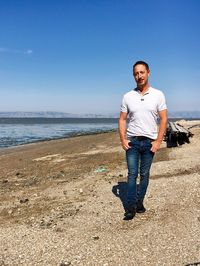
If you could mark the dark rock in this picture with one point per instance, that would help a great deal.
(96, 237)
(24, 200)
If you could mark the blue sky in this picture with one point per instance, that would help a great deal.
(76, 56)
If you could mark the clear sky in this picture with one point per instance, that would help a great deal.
(76, 56)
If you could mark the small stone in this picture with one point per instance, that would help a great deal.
(48, 224)
(24, 200)
(81, 190)
(120, 175)
(60, 216)
(10, 212)
(5, 181)
(65, 263)
(96, 237)
(59, 230)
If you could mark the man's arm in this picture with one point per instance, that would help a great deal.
(162, 128)
(122, 131)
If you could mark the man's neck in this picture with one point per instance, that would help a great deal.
(143, 89)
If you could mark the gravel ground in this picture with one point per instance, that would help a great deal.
(68, 217)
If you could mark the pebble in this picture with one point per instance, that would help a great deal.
(24, 200)
(65, 263)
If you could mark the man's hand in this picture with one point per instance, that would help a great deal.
(122, 131)
(155, 145)
(125, 145)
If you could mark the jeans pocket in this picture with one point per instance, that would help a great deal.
(132, 142)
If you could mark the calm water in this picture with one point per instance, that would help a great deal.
(17, 131)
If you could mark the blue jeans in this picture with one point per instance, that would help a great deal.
(139, 159)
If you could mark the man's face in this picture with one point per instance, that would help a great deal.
(141, 75)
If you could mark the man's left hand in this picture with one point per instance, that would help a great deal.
(155, 145)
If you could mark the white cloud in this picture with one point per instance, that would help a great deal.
(7, 50)
(28, 52)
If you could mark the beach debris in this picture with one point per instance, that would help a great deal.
(81, 191)
(176, 135)
(101, 169)
(24, 200)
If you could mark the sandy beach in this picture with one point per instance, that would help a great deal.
(62, 203)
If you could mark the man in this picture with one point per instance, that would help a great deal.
(141, 139)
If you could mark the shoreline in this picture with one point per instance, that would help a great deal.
(71, 135)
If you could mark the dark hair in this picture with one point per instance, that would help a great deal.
(141, 63)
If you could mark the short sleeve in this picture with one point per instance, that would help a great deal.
(162, 102)
(124, 107)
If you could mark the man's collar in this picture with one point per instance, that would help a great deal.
(147, 92)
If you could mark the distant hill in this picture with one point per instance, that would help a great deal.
(179, 114)
(47, 115)
(185, 114)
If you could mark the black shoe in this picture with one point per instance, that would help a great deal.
(140, 207)
(129, 214)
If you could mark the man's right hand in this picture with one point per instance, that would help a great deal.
(125, 144)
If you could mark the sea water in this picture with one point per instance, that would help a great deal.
(17, 131)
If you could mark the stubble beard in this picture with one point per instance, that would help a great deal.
(142, 86)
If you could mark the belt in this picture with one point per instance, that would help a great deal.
(140, 138)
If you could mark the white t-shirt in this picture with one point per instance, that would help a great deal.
(143, 111)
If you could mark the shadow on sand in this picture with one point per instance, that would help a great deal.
(120, 191)
(193, 264)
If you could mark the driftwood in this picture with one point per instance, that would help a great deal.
(176, 135)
